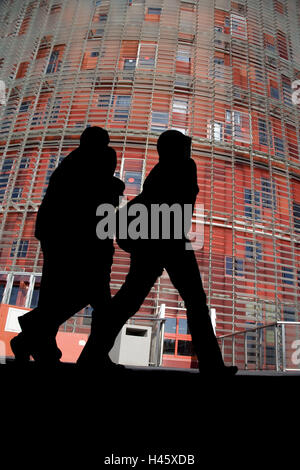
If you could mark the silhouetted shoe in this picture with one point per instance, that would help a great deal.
(99, 362)
(108, 365)
(95, 354)
(225, 371)
(43, 350)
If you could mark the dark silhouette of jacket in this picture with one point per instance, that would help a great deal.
(76, 188)
(172, 181)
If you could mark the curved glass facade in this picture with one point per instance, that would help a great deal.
(221, 71)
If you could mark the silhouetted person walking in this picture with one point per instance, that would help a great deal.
(172, 181)
(77, 265)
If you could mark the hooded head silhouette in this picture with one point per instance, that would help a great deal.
(94, 146)
(173, 146)
(94, 138)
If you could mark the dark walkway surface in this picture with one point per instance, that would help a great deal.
(148, 379)
(135, 371)
(83, 417)
(185, 372)
(160, 386)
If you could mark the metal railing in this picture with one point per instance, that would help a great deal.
(275, 346)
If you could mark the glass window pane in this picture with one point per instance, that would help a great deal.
(270, 354)
(154, 11)
(253, 253)
(183, 328)
(296, 212)
(35, 293)
(87, 312)
(238, 26)
(123, 101)
(19, 291)
(159, 121)
(2, 285)
(22, 251)
(287, 275)
(274, 92)
(216, 131)
(24, 163)
(262, 132)
(3, 181)
(239, 267)
(133, 179)
(24, 106)
(288, 313)
(180, 106)
(23, 247)
(7, 164)
(53, 62)
(249, 249)
(35, 297)
(132, 175)
(147, 56)
(129, 64)
(183, 55)
(104, 101)
(170, 325)
(16, 194)
(169, 346)
(122, 108)
(228, 266)
(259, 75)
(184, 348)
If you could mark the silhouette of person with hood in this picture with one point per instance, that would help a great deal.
(77, 265)
(172, 181)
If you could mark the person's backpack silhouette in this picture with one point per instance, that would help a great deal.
(77, 265)
(172, 181)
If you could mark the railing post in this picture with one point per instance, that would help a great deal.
(246, 350)
(276, 348)
(260, 349)
(283, 347)
(259, 341)
(160, 335)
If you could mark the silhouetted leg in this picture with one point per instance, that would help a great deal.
(143, 272)
(63, 293)
(183, 270)
(142, 275)
(100, 305)
(41, 326)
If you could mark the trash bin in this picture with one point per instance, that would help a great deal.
(132, 346)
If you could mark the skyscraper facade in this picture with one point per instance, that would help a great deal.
(224, 72)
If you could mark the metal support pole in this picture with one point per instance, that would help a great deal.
(260, 349)
(7, 290)
(283, 347)
(246, 350)
(276, 348)
(160, 339)
(30, 291)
